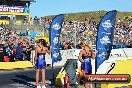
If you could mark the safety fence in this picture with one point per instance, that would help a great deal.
(74, 53)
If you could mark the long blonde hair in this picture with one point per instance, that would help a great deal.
(88, 43)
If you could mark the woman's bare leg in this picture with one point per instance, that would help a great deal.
(91, 85)
(87, 85)
(43, 77)
(37, 76)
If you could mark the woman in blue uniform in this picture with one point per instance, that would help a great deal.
(85, 57)
(40, 62)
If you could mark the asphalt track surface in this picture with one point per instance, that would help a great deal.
(24, 78)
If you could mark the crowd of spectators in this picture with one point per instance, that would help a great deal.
(14, 46)
(77, 30)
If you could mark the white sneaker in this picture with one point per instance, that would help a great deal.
(38, 86)
(43, 86)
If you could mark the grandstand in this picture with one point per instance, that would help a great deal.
(15, 11)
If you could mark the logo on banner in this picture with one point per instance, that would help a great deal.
(55, 40)
(56, 26)
(102, 55)
(105, 40)
(55, 55)
(41, 56)
(107, 24)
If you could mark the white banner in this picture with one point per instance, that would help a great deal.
(74, 53)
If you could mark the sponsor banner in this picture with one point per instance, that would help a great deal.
(19, 9)
(121, 52)
(55, 30)
(115, 78)
(105, 37)
(117, 53)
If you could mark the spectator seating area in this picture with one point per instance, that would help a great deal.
(13, 43)
(77, 30)
(14, 47)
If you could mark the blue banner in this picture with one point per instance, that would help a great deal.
(55, 30)
(105, 35)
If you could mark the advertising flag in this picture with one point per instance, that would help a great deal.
(105, 36)
(55, 30)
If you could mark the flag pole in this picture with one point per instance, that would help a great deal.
(53, 79)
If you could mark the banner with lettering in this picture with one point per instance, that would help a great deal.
(20, 9)
(105, 36)
(55, 30)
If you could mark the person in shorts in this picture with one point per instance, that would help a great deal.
(40, 62)
(85, 57)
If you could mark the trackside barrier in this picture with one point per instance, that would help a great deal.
(116, 54)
